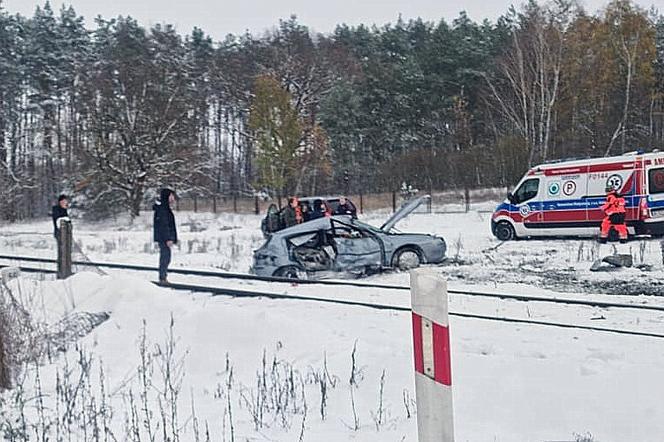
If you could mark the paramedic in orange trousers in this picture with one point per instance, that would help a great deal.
(614, 209)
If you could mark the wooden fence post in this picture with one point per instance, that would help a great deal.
(64, 248)
(466, 197)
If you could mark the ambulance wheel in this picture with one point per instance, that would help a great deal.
(504, 231)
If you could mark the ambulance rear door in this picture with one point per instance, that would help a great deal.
(620, 175)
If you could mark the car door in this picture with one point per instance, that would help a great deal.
(311, 251)
(355, 248)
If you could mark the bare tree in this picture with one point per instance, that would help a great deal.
(629, 32)
(142, 121)
(527, 86)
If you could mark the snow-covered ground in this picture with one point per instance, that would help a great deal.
(511, 382)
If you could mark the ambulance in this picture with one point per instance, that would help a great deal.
(564, 198)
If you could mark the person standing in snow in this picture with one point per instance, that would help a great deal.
(165, 233)
(59, 211)
(614, 209)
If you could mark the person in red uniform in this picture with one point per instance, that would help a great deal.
(614, 209)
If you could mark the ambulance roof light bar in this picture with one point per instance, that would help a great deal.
(564, 160)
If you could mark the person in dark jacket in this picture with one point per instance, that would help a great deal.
(291, 214)
(165, 233)
(306, 212)
(59, 211)
(319, 210)
(345, 207)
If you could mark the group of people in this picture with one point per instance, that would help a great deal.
(297, 212)
(164, 230)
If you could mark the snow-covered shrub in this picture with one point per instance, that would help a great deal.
(28, 340)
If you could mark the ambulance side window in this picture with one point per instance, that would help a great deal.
(526, 191)
(656, 180)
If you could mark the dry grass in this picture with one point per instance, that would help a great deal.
(4, 375)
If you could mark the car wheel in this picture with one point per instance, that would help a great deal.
(406, 259)
(290, 272)
(504, 231)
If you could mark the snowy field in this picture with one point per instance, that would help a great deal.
(171, 365)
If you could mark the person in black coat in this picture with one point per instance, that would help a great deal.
(165, 232)
(345, 207)
(59, 211)
(319, 210)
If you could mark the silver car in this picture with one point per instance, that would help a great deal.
(326, 246)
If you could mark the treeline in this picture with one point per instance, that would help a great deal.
(113, 113)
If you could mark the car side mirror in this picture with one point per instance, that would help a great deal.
(510, 198)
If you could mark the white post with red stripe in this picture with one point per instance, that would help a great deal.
(433, 368)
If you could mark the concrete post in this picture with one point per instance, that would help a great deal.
(433, 368)
(64, 248)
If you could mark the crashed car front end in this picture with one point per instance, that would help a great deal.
(431, 248)
(434, 249)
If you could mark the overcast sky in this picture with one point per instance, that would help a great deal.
(221, 17)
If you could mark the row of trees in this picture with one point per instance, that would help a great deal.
(113, 113)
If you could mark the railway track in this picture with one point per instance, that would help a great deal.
(223, 291)
(248, 277)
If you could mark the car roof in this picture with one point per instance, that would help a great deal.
(325, 198)
(312, 225)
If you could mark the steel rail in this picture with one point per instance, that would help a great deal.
(248, 277)
(221, 291)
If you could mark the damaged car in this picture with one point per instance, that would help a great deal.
(341, 244)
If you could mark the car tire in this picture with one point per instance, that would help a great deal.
(406, 258)
(504, 231)
(289, 272)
